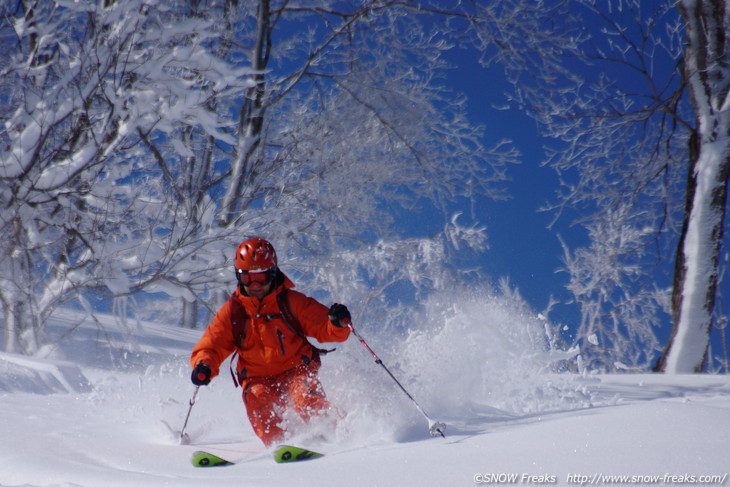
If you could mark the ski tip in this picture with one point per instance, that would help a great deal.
(288, 454)
(205, 459)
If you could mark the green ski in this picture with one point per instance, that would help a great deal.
(205, 459)
(288, 453)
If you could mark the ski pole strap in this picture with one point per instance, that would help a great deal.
(195, 394)
(192, 401)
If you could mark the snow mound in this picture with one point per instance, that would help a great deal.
(508, 416)
(27, 374)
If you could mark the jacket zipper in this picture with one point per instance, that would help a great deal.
(281, 342)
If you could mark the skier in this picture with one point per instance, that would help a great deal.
(266, 323)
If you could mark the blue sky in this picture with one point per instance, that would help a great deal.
(521, 247)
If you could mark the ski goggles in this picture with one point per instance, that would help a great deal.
(259, 277)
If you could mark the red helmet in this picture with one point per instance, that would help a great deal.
(255, 255)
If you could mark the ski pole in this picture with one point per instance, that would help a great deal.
(185, 439)
(435, 428)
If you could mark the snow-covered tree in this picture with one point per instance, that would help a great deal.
(707, 74)
(82, 83)
(344, 129)
(612, 96)
(143, 140)
(59, 129)
(638, 102)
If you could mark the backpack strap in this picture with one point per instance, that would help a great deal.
(239, 321)
(239, 325)
(282, 299)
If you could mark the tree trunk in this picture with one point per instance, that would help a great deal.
(11, 331)
(189, 313)
(251, 116)
(697, 261)
(706, 58)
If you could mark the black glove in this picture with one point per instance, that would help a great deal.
(201, 375)
(339, 315)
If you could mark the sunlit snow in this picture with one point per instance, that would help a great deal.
(105, 407)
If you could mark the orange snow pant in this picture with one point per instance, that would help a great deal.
(266, 399)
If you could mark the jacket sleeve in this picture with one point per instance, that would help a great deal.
(313, 316)
(217, 342)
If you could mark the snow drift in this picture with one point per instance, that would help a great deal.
(479, 363)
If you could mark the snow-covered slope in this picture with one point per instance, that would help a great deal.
(103, 411)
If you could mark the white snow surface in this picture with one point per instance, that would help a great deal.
(105, 407)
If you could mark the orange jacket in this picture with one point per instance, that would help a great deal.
(269, 347)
